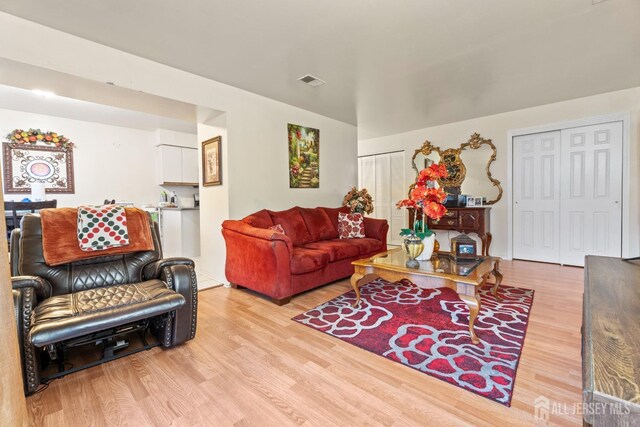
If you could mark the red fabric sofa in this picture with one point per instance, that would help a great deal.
(308, 255)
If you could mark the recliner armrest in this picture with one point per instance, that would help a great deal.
(41, 286)
(24, 302)
(154, 269)
(182, 279)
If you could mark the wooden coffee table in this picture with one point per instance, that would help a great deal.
(464, 277)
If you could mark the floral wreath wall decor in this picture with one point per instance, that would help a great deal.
(34, 156)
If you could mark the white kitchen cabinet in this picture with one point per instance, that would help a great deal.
(181, 233)
(177, 165)
(189, 165)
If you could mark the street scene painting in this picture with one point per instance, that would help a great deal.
(304, 150)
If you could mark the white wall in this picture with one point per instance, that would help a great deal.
(259, 169)
(256, 143)
(214, 204)
(171, 137)
(495, 127)
(109, 161)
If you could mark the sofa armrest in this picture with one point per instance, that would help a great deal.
(258, 259)
(259, 233)
(154, 269)
(41, 287)
(376, 229)
(182, 279)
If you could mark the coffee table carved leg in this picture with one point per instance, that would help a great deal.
(359, 279)
(489, 238)
(496, 273)
(473, 302)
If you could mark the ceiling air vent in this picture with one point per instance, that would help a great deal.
(311, 80)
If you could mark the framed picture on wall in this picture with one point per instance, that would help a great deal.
(28, 164)
(304, 160)
(212, 162)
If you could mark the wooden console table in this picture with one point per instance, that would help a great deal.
(611, 342)
(464, 220)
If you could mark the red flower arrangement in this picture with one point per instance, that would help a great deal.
(425, 196)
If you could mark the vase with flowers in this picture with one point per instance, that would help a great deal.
(358, 201)
(426, 197)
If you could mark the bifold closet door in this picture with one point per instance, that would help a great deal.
(591, 188)
(536, 202)
(383, 176)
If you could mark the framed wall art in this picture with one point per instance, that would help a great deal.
(27, 164)
(304, 157)
(212, 162)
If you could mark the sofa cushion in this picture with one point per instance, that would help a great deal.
(332, 213)
(260, 219)
(68, 316)
(365, 245)
(318, 223)
(304, 260)
(350, 225)
(337, 249)
(293, 225)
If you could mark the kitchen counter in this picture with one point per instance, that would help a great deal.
(179, 209)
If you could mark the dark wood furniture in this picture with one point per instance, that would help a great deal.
(464, 220)
(14, 211)
(611, 342)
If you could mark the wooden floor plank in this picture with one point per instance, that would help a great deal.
(251, 365)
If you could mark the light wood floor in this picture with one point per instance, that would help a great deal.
(250, 365)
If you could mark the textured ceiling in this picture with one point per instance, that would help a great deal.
(390, 66)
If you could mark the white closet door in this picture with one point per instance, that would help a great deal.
(591, 220)
(398, 192)
(367, 174)
(536, 203)
(382, 195)
(383, 176)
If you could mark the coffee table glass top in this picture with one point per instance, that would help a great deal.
(440, 262)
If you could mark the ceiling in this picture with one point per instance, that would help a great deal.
(390, 66)
(18, 99)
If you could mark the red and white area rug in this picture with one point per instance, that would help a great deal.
(427, 329)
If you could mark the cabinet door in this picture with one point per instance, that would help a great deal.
(170, 164)
(172, 233)
(189, 165)
(470, 220)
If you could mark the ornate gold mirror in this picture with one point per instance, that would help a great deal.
(469, 167)
(424, 156)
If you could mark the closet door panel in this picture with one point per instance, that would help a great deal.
(398, 217)
(591, 221)
(536, 202)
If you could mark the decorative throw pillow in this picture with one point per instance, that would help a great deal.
(350, 225)
(277, 228)
(102, 227)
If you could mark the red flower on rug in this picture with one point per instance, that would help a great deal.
(427, 329)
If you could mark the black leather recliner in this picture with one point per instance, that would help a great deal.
(56, 305)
